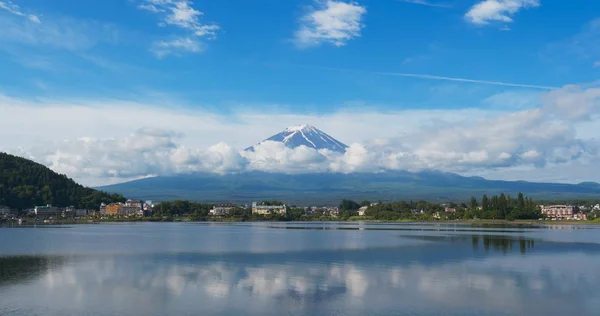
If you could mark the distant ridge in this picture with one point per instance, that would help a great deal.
(306, 135)
(330, 188)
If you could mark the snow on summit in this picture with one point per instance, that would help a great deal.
(306, 135)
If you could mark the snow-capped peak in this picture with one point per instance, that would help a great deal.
(297, 128)
(309, 136)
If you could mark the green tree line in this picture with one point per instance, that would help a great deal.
(496, 207)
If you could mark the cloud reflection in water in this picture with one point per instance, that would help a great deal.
(468, 274)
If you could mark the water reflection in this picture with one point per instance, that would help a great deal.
(225, 270)
(18, 269)
(559, 282)
(498, 243)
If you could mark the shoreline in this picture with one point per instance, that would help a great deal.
(351, 220)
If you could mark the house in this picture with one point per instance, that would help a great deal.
(47, 210)
(450, 210)
(268, 209)
(580, 216)
(221, 209)
(362, 210)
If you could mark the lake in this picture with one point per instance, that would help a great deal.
(299, 269)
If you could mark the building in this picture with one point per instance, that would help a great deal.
(450, 210)
(47, 210)
(580, 216)
(322, 210)
(334, 211)
(5, 212)
(268, 209)
(362, 210)
(134, 203)
(112, 209)
(131, 209)
(148, 206)
(81, 213)
(558, 211)
(222, 209)
(147, 209)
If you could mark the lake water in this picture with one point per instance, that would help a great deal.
(299, 269)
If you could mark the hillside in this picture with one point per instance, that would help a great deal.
(24, 184)
(330, 188)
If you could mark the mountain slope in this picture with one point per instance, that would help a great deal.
(306, 135)
(24, 184)
(308, 189)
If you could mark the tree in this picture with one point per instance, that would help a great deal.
(474, 204)
(365, 203)
(502, 206)
(485, 203)
(520, 201)
(348, 205)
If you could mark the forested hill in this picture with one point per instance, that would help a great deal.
(24, 184)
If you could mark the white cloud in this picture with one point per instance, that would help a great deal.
(498, 282)
(517, 100)
(488, 11)
(176, 46)
(16, 10)
(180, 13)
(102, 143)
(59, 33)
(597, 64)
(333, 22)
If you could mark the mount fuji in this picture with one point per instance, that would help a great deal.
(306, 135)
(330, 188)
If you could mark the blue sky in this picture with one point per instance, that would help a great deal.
(433, 62)
(253, 57)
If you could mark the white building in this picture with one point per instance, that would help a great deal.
(362, 210)
(559, 211)
(47, 210)
(134, 203)
(268, 209)
(5, 212)
(222, 209)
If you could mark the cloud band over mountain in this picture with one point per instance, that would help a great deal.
(558, 133)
